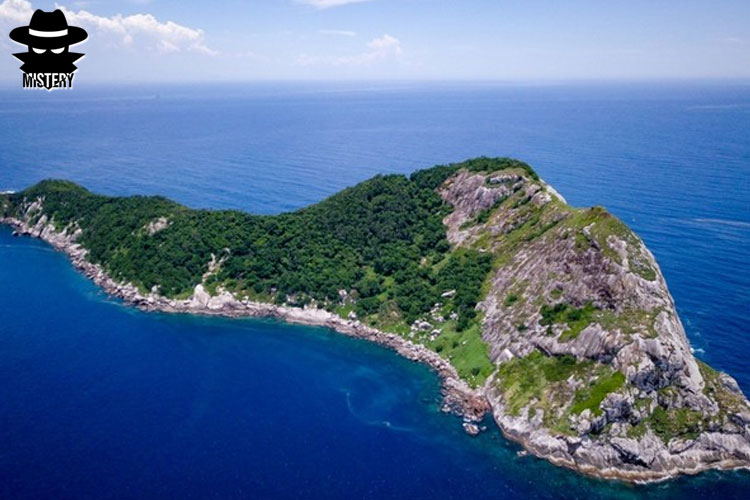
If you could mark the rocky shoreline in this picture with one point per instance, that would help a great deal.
(593, 461)
(642, 459)
(458, 397)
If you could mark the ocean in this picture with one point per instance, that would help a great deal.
(99, 400)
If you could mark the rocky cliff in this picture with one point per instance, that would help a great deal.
(587, 363)
(594, 369)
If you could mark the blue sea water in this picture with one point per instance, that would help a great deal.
(98, 400)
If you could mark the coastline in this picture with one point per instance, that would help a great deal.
(458, 397)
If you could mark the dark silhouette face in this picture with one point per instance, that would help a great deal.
(39, 60)
(48, 51)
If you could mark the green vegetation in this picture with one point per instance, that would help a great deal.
(591, 397)
(680, 422)
(686, 423)
(638, 430)
(728, 401)
(490, 165)
(630, 321)
(522, 380)
(466, 351)
(465, 272)
(432, 178)
(531, 377)
(383, 239)
(539, 382)
(576, 318)
(510, 299)
(387, 222)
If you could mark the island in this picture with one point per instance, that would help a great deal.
(556, 320)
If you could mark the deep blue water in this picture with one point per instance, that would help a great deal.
(101, 401)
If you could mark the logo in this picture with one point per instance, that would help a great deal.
(48, 62)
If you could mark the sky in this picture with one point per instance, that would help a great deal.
(519, 40)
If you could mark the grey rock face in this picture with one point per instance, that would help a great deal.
(666, 418)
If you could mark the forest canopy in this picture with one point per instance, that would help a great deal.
(380, 245)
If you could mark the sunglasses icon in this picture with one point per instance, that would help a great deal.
(42, 51)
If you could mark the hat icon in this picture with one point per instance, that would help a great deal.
(48, 30)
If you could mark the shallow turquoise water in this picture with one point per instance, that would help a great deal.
(99, 400)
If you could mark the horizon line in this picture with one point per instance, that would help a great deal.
(11, 82)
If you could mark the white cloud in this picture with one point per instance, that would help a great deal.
(167, 47)
(129, 31)
(326, 4)
(338, 32)
(380, 49)
(16, 10)
(385, 44)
